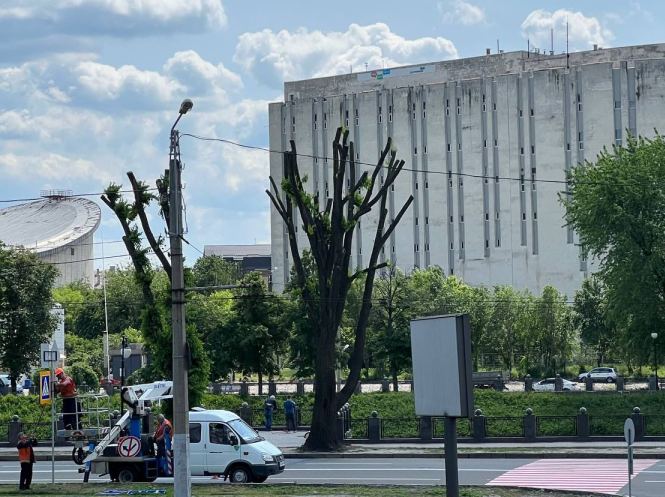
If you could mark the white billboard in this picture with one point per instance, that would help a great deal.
(441, 353)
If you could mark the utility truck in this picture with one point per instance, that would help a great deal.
(221, 444)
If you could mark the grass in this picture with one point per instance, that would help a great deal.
(289, 490)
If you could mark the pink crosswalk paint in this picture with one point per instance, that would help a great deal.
(589, 475)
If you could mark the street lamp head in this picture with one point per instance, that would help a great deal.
(654, 335)
(186, 106)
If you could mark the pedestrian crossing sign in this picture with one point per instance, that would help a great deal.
(45, 388)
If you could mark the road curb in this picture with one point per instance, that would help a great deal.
(467, 455)
(408, 455)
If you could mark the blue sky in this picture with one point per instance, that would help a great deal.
(89, 88)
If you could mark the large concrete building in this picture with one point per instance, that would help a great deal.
(487, 142)
(59, 229)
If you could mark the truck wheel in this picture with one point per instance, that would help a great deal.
(127, 475)
(260, 479)
(78, 455)
(240, 474)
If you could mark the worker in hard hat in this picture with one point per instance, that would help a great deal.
(66, 388)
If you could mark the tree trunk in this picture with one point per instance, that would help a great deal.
(260, 383)
(394, 375)
(323, 432)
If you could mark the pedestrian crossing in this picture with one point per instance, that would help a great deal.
(588, 475)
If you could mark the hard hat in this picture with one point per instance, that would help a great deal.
(58, 371)
(272, 397)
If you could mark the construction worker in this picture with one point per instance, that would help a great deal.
(66, 387)
(26, 457)
(164, 427)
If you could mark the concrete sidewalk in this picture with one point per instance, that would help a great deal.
(290, 444)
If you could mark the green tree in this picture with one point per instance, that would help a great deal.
(509, 315)
(25, 309)
(257, 339)
(389, 334)
(552, 318)
(617, 205)
(590, 318)
(329, 227)
(212, 270)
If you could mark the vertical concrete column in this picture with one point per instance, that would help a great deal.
(653, 384)
(583, 425)
(374, 427)
(528, 383)
(15, 427)
(638, 420)
(479, 426)
(620, 383)
(529, 421)
(246, 413)
(588, 384)
(426, 428)
(558, 383)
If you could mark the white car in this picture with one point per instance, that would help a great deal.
(547, 385)
(608, 375)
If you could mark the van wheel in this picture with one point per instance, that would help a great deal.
(240, 474)
(127, 475)
(260, 479)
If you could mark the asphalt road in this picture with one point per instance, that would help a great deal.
(600, 475)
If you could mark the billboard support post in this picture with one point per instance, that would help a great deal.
(442, 382)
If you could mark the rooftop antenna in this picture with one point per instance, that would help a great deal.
(567, 52)
(497, 46)
(528, 48)
(551, 41)
(365, 66)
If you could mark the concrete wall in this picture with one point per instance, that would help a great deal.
(74, 261)
(487, 142)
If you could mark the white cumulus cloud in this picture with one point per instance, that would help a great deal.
(273, 57)
(36, 27)
(461, 12)
(583, 31)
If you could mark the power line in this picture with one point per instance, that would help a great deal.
(447, 173)
(73, 195)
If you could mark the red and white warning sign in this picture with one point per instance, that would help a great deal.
(129, 446)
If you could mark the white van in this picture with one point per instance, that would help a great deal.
(221, 443)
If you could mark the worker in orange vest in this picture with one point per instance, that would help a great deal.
(66, 387)
(26, 457)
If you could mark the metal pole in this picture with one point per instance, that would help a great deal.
(107, 361)
(123, 345)
(450, 447)
(181, 469)
(51, 393)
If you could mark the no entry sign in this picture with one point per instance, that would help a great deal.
(129, 446)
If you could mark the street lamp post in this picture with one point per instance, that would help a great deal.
(654, 336)
(181, 469)
(125, 353)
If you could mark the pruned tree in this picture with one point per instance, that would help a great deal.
(330, 227)
(156, 329)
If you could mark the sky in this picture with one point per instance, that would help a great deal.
(90, 88)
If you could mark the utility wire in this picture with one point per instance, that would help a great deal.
(524, 179)
(96, 194)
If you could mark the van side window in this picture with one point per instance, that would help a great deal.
(194, 433)
(219, 434)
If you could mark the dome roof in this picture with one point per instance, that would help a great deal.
(49, 223)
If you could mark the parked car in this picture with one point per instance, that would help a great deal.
(547, 385)
(608, 375)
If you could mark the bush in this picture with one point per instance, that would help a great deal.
(84, 377)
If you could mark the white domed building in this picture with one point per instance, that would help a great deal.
(59, 229)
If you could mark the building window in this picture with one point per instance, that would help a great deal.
(487, 216)
(451, 246)
(496, 142)
(535, 215)
(458, 111)
(451, 219)
(497, 214)
(498, 242)
(462, 245)
(425, 149)
(484, 108)
(520, 112)
(568, 146)
(426, 184)
(459, 146)
(448, 147)
(494, 106)
(581, 145)
(416, 221)
(426, 220)
(447, 111)
(521, 150)
(71, 251)
(461, 219)
(523, 216)
(487, 244)
(533, 149)
(415, 150)
(531, 112)
(522, 186)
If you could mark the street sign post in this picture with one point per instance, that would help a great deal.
(49, 357)
(629, 436)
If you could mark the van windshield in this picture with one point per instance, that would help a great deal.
(244, 431)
